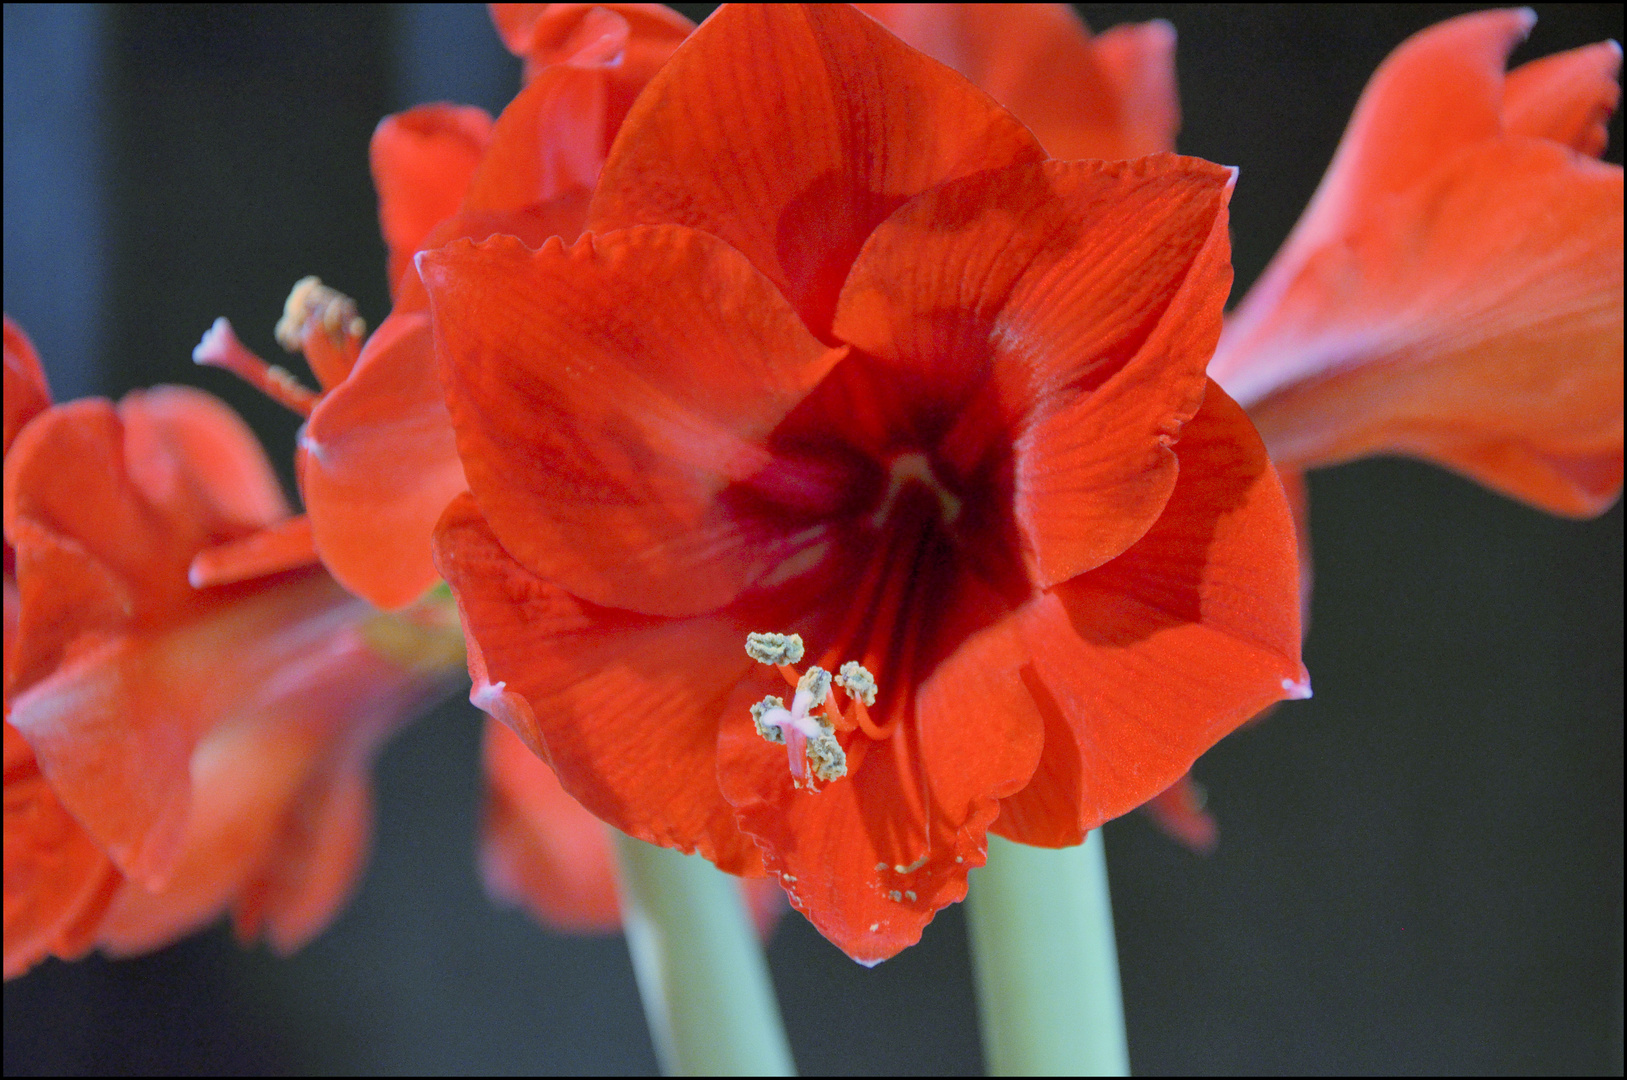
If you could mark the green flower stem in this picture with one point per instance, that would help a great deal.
(1041, 923)
(700, 967)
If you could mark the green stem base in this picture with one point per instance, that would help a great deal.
(700, 968)
(1047, 966)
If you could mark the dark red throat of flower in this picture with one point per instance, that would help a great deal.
(843, 705)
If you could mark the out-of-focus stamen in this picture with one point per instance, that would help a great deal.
(221, 348)
(322, 323)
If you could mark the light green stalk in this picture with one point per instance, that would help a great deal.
(701, 972)
(1041, 923)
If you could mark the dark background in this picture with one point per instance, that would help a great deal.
(1420, 870)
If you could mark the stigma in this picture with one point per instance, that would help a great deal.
(809, 737)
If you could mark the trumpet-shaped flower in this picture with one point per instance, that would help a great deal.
(174, 749)
(1454, 290)
(844, 356)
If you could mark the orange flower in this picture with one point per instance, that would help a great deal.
(849, 357)
(1110, 96)
(1454, 290)
(378, 463)
(175, 748)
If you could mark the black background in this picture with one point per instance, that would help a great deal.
(1420, 870)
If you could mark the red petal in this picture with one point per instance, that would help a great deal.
(423, 160)
(57, 881)
(549, 140)
(539, 847)
(1567, 98)
(1086, 298)
(242, 778)
(1144, 663)
(1138, 60)
(316, 863)
(1477, 323)
(115, 738)
(191, 454)
(1179, 811)
(380, 464)
(1109, 97)
(1440, 92)
(544, 34)
(26, 392)
(285, 546)
(625, 706)
(139, 490)
(605, 395)
(790, 132)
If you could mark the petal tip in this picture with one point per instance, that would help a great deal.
(485, 695)
(308, 443)
(1298, 689)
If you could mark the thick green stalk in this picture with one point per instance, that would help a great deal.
(701, 972)
(1041, 923)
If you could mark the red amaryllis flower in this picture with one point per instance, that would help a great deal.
(1106, 96)
(378, 460)
(173, 749)
(845, 356)
(1454, 290)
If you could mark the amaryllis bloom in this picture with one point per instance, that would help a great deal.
(844, 356)
(1109, 96)
(177, 747)
(378, 460)
(1454, 290)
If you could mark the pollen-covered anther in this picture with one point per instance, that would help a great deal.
(826, 755)
(857, 681)
(775, 649)
(815, 682)
(766, 714)
(810, 740)
(312, 305)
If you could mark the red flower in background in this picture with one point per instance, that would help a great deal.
(843, 354)
(175, 749)
(1109, 96)
(1454, 290)
(378, 461)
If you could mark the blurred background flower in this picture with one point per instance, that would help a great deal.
(1419, 870)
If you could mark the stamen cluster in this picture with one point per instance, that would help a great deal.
(810, 738)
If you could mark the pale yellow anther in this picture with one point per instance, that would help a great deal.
(826, 755)
(761, 713)
(774, 648)
(310, 299)
(858, 682)
(815, 682)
